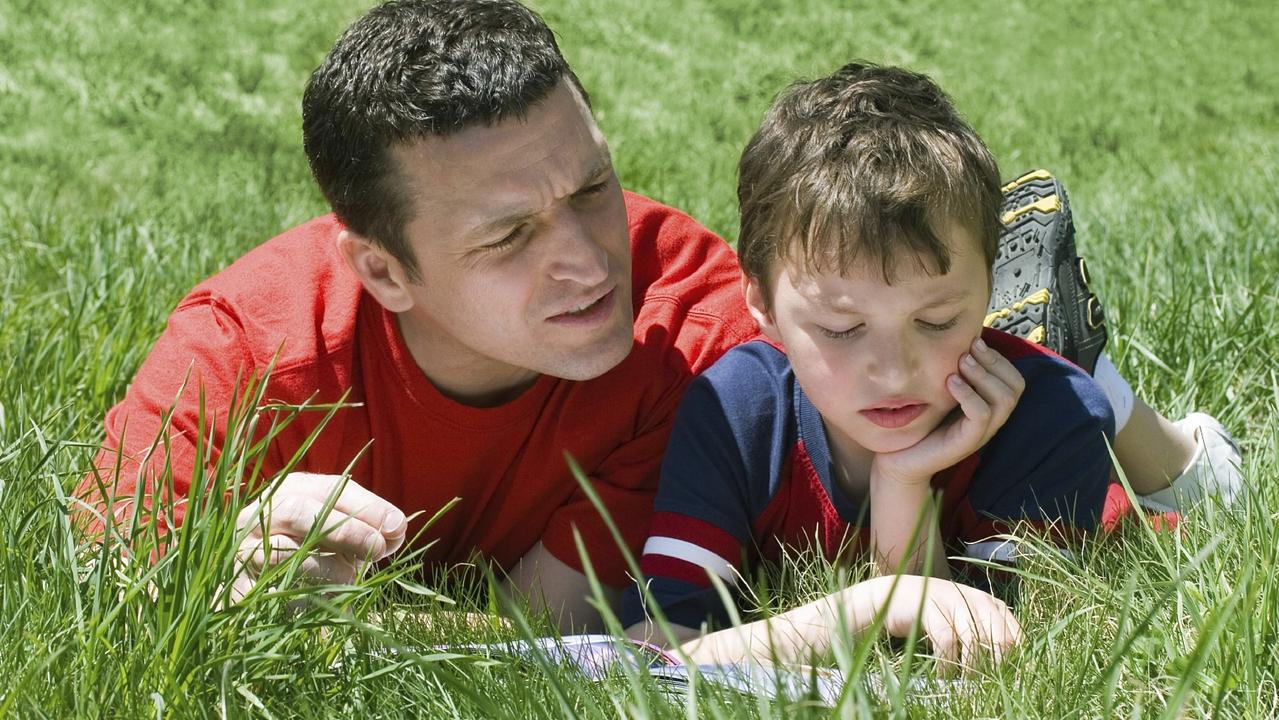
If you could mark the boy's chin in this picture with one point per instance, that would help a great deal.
(882, 441)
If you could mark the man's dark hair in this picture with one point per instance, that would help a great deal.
(867, 163)
(411, 69)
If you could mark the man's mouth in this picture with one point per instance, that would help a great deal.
(588, 311)
(894, 416)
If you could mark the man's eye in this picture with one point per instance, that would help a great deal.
(938, 327)
(509, 239)
(595, 189)
(840, 334)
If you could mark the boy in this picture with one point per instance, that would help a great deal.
(870, 226)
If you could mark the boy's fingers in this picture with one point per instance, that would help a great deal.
(999, 366)
(993, 386)
(973, 405)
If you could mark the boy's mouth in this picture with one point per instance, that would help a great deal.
(894, 416)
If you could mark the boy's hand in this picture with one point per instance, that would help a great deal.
(961, 623)
(987, 388)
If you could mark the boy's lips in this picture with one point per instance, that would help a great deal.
(895, 415)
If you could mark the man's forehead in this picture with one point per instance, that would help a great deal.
(489, 171)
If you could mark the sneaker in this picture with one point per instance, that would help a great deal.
(1215, 470)
(1040, 290)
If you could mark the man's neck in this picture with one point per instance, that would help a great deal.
(462, 377)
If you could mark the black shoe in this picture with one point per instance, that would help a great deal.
(1040, 284)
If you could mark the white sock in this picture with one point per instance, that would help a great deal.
(1117, 390)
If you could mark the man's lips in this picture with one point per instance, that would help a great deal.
(894, 416)
(587, 311)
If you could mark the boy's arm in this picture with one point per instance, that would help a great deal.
(903, 529)
(732, 433)
(961, 623)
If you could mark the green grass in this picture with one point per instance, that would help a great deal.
(145, 145)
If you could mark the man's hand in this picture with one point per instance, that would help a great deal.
(359, 529)
(987, 388)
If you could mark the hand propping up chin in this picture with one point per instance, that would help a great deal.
(987, 388)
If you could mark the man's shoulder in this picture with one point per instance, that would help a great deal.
(686, 286)
(292, 294)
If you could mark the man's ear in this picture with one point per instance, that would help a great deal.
(383, 276)
(757, 304)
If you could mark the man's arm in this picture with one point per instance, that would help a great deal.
(549, 584)
(178, 408)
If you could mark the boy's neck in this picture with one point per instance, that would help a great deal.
(851, 465)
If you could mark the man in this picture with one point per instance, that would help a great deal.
(486, 297)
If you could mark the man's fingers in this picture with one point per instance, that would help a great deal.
(295, 515)
(354, 500)
(319, 566)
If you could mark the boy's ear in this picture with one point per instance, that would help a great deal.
(757, 304)
(382, 275)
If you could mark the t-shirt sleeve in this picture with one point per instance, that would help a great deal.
(719, 471)
(1050, 463)
(185, 386)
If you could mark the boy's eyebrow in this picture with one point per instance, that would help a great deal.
(849, 308)
(949, 298)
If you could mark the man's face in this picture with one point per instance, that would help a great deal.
(521, 238)
(874, 357)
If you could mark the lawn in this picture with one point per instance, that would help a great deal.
(145, 145)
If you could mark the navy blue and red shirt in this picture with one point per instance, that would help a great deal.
(748, 471)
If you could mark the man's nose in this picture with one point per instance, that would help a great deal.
(573, 253)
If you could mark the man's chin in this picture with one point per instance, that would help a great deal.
(599, 359)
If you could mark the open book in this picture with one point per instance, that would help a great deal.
(598, 656)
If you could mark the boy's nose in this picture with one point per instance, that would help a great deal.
(892, 364)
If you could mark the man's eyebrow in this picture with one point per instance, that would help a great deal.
(598, 169)
(601, 167)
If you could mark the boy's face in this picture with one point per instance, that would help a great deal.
(874, 357)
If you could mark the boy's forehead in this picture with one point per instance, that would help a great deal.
(862, 282)
(894, 260)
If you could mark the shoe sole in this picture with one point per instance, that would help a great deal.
(1040, 285)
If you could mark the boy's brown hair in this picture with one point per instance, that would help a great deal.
(870, 160)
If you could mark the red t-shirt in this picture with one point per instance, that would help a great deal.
(295, 295)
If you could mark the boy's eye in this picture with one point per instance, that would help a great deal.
(840, 334)
(938, 327)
